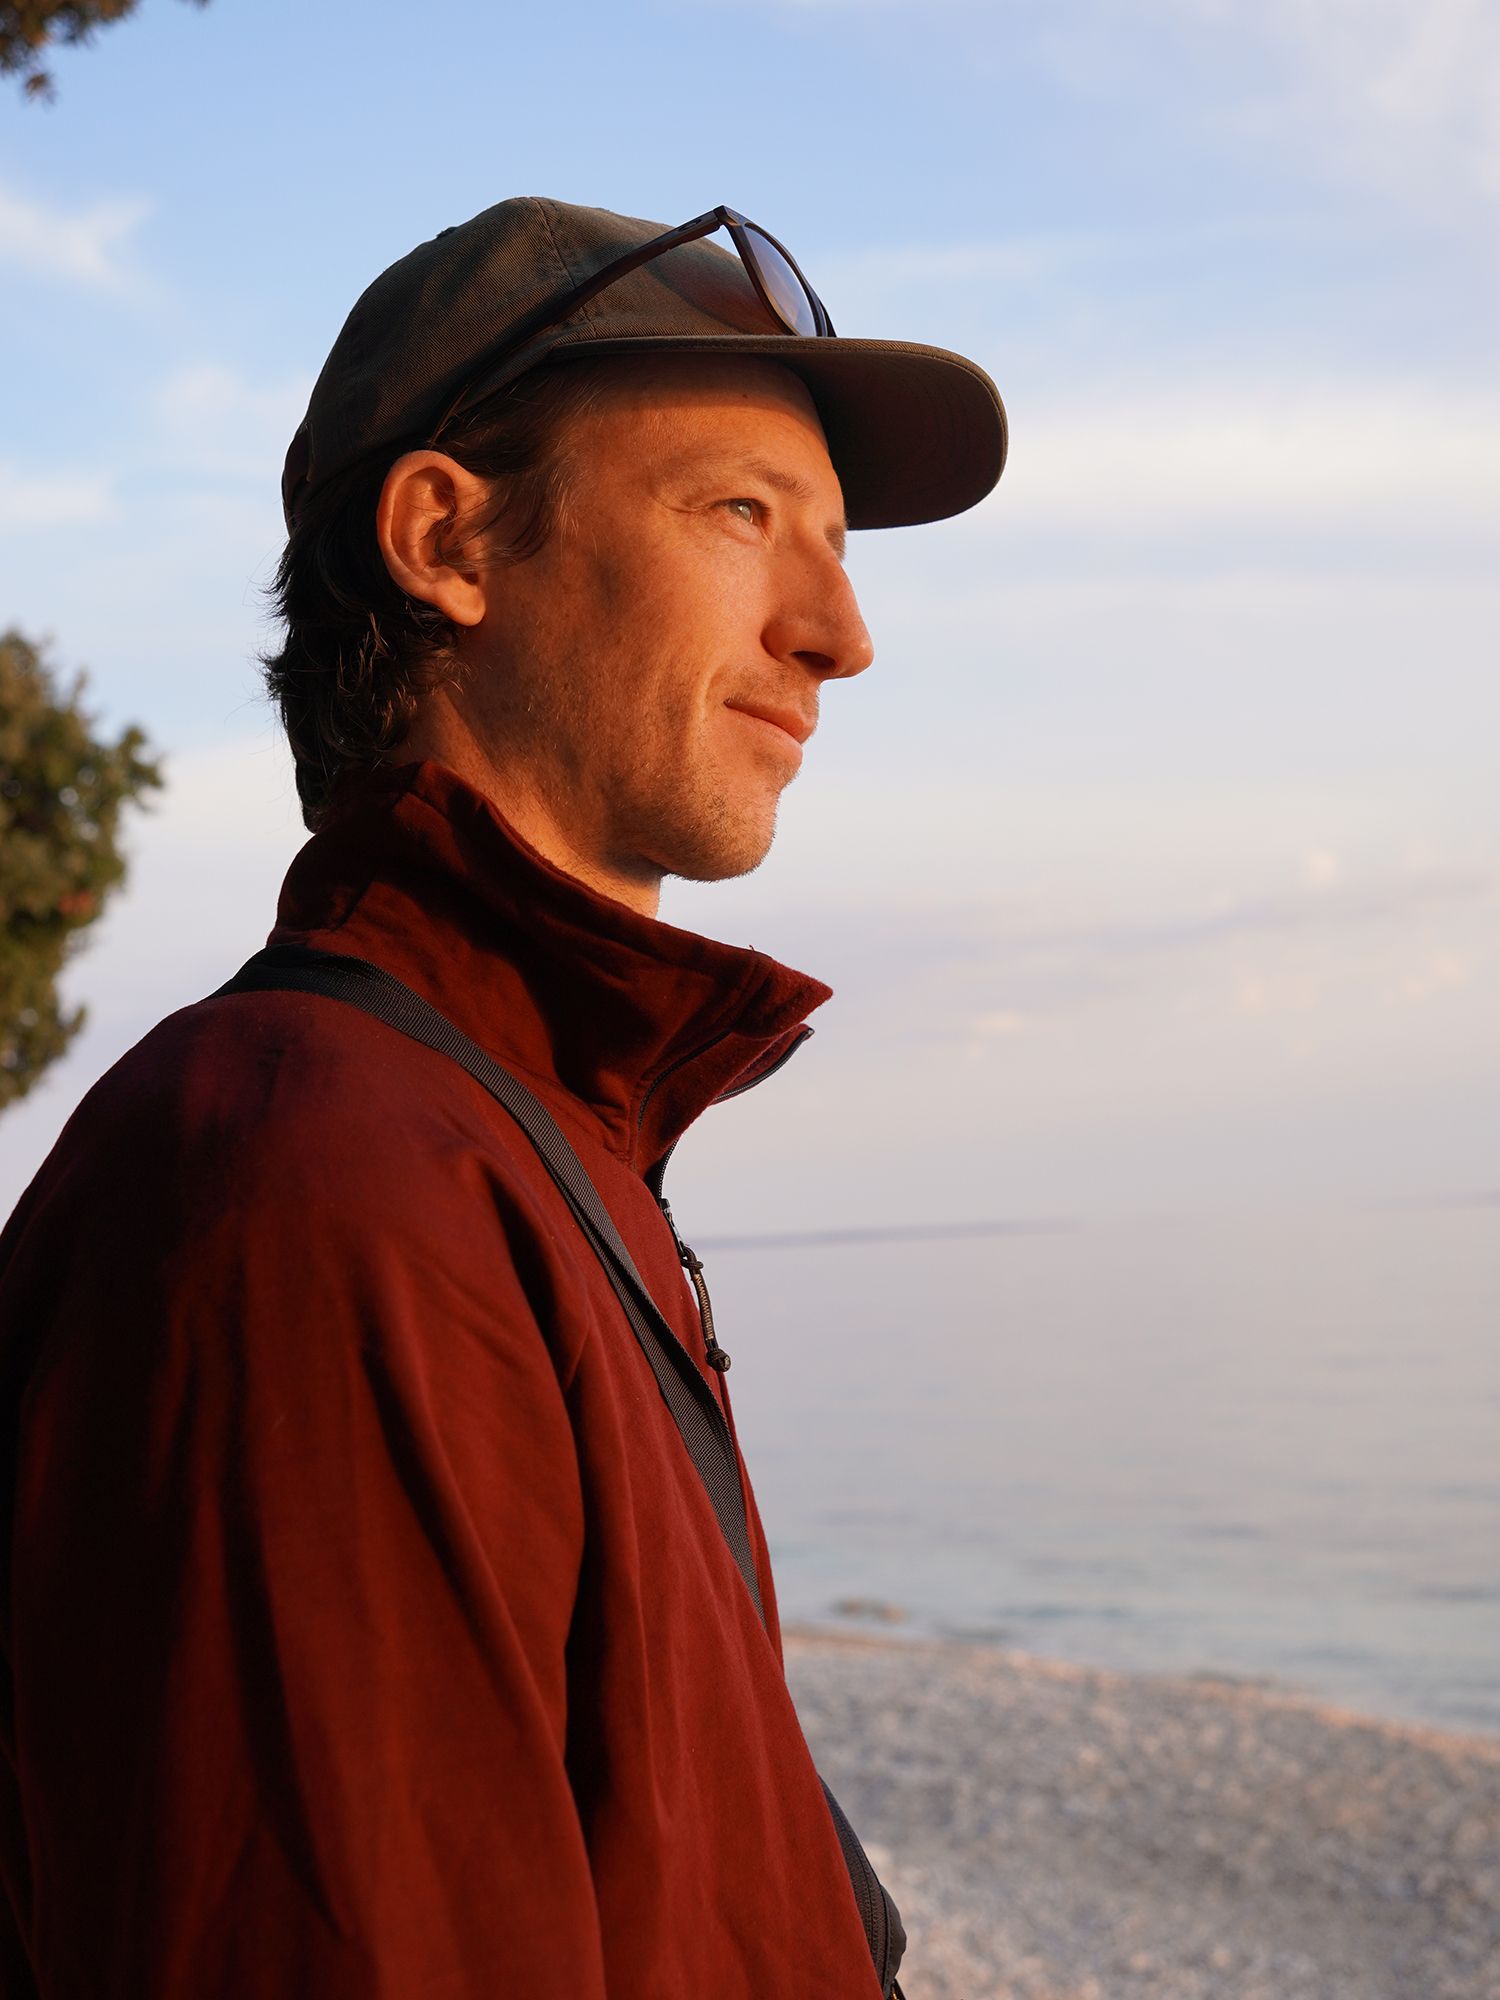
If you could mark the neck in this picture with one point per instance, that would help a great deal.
(440, 734)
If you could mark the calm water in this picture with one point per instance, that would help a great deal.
(1262, 1449)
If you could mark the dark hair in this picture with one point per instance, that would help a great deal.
(359, 653)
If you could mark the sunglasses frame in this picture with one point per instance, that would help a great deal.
(739, 227)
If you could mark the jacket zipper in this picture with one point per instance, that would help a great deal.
(869, 1895)
(716, 1356)
(780, 1063)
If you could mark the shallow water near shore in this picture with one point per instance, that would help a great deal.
(1264, 1448)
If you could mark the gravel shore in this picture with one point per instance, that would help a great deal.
(1060, 1833)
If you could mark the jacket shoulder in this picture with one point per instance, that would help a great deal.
(283, 1086)
(287, 1145)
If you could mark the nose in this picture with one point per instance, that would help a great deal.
(817, 622)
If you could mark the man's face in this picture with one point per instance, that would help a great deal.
(620, 682)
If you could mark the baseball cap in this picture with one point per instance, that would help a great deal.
(915, 433)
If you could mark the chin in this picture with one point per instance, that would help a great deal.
(718, 871)
(721, 864)
(719, 847)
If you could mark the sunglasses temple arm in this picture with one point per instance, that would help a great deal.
(551, 313)
(701, 225)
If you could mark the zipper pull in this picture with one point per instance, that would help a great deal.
(716, 1356)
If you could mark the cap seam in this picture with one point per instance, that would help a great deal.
(567, 269)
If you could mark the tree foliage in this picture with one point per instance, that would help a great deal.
(29, 27)
(62, 791)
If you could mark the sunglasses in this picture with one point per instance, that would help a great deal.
(780, 285)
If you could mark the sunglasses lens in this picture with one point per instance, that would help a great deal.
(784, 288)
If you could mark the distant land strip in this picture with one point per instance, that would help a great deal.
(891, 1232)
(1435, 1203)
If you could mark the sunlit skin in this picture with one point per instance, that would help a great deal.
(608, 682)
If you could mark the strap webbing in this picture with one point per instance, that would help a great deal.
(694, 1407)
(692, 1403)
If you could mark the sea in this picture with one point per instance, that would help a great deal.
(1264, 1449)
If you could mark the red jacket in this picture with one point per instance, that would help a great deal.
(367, 1630)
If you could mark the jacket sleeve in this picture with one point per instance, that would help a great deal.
(297, 1534)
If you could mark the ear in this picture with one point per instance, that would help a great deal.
(423, 503)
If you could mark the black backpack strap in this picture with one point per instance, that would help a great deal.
(694, 1407)
(692, 1403)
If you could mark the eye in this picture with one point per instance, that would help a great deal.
(751, 507)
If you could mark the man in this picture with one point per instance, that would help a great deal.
(371, 1624)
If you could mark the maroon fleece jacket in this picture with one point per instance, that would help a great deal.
(365, 1629)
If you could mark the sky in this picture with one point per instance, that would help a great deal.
(1156, 861)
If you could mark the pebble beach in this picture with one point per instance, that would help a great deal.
(1055, 1832)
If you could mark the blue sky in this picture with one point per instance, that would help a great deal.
(1157, 861)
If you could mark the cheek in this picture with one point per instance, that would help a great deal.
(652, 636)
(677, 633)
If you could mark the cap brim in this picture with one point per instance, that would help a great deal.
(915, 433)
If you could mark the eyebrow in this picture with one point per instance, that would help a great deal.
(782, 481)
(786, 482)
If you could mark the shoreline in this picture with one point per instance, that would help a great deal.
(1060, 1832)
(898, 1635)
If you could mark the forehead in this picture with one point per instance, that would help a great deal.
(690, 418)
(679, 397)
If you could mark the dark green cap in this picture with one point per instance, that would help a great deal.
(915, 433)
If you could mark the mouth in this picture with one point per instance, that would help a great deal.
(788, 725)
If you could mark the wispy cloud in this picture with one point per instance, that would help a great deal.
(1111, 1038)
(1340, 454)
(988, 969)
(1025, 260)
(875, 277)
(86, 246)
(218, 421)
(31, 499)
(1382, 86)
(1317, 906)
(1404, 96)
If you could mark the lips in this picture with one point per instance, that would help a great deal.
(797, 725)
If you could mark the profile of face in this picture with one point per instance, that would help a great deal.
(636, 695)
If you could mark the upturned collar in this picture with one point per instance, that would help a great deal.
(640, 1024)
